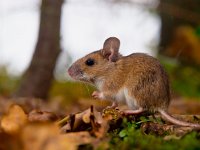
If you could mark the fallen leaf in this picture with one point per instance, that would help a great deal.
(35, 135)
(162, 129)
(14, 120)
(172, 137)
(9, 142)
(46, 136)
(41, 116)
(69, 141)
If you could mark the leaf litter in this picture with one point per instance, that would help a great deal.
(30, 127)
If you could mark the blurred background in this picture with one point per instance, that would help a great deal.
(39, 39)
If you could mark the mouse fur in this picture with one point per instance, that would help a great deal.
(138, 80)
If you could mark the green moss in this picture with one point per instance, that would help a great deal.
(130, 137)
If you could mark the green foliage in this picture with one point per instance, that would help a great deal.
(197, 31)
(8, 83)
(186, 81)
(130, 137)
(70, 90)
(184, 78)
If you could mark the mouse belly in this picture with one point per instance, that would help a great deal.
(123, 97)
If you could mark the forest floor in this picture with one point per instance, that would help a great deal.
(85, 124)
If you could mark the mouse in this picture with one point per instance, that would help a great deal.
(138, 80)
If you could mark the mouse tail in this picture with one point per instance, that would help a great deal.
(168, 117)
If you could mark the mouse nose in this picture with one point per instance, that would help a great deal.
(74, 70)
(70, 70)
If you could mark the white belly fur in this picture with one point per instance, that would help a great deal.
(123, 96)
(120, 96)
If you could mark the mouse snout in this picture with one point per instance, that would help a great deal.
(74, 71)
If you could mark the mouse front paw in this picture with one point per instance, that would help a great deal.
(113, 106)
(97, 95)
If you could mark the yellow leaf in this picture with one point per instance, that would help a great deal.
(35, 136)
(14, 120)
(46, 136)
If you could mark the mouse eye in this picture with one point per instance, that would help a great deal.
(89, 62)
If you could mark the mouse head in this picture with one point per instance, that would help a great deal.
(97, 64)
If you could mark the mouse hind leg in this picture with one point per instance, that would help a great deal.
(132, 104)
(133, 112)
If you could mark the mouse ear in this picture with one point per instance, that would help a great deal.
(111, 49)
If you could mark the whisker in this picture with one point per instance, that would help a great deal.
(88, 90)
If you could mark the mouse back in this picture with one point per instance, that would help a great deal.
(148, 82)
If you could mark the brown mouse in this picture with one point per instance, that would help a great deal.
(138, 79)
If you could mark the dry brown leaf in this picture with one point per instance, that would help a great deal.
(84, 118)
(41, 116)
(172, 137)
(102, 122)
(35, 135)
(69, 141)
(9, 142)
(80, 120)
(4, 105)
(14, 120)
(65, 128)
(58, 143)
(99, 125)
(89, 119)
(100, 130)
(162, 129)
(79, 138)
(46, 136)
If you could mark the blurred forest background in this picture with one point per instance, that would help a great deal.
(39, 39)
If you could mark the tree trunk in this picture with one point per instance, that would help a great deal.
(175, 13)
(37, 79)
